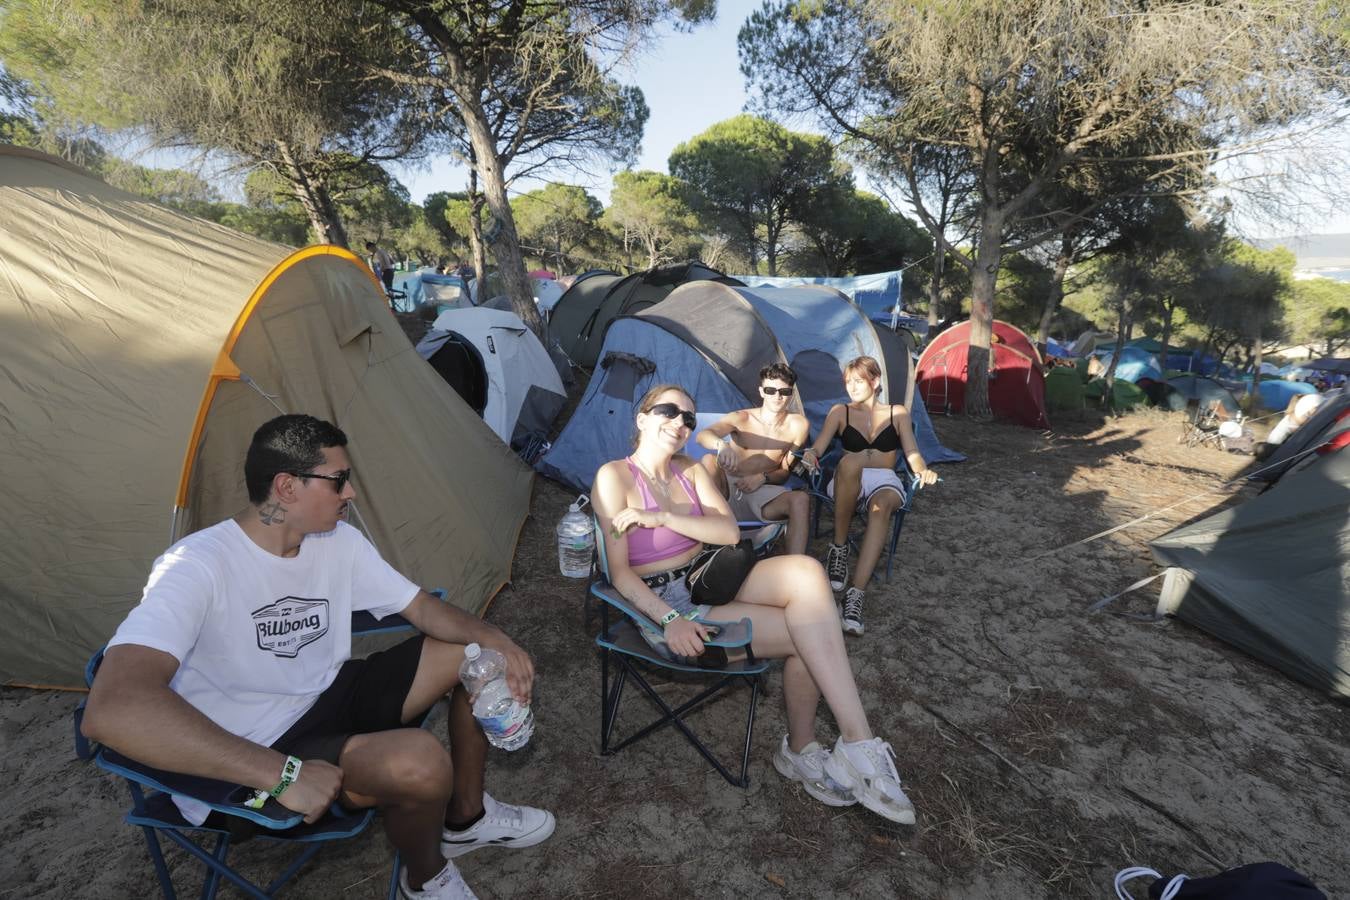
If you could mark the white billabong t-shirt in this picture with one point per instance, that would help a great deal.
(258, 637)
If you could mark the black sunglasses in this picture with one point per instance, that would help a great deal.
(772, 391)
(671, 411)
(339, 479)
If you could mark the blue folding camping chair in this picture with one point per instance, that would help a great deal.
(153, 810)
(820, 499)
(622, 645)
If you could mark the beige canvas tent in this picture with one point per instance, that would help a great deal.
(139, 350)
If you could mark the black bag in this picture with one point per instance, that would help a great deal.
(716, 575)
(1258, 881)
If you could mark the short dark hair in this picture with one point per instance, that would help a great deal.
(778, 372)
(293, 443)
(370, 245)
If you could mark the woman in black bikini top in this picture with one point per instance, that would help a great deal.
(865, 476)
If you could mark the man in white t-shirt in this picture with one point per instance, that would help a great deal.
(236, 666)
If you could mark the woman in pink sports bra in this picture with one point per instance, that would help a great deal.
(657, 508)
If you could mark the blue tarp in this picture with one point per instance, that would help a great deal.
(877, 294)
(1134, 364)
(411, 284)
(1055, 348)
(1275, 393)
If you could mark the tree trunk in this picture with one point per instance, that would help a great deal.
(313, 195)
(988, 255)
(1169, 310)
(1258, 355)
(1056, 294)
(1124, 323)
(935, 286)
(771, 248)
(506, 247)
(476, 245)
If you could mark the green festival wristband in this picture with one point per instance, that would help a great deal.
(669, 617)
(289, 772)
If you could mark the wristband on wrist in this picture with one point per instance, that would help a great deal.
(289, 772)
(669, 617)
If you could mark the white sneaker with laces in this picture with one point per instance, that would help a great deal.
(447, 884)
(502, 825)
(836, 565)
(868, 769)
(853, 621)
(808, 767)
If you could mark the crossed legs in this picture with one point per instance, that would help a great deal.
(790, 603)
(407, 771)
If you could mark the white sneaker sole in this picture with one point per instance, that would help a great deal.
(786, 769)
(452, 850)
(900, 813)
(852, 627)
(837, 586)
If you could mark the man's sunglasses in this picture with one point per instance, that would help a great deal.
(671, 411)
(773, 391)
(339, 479)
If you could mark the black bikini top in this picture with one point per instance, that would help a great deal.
(886, 441)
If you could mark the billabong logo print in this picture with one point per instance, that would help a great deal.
(289, 624)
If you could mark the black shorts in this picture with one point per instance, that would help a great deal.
(366, 696)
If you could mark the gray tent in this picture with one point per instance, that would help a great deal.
(1272, 576)
(581, 315)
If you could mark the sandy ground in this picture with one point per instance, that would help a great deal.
(1044, 748)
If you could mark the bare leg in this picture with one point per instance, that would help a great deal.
(790, 603)
(468, 752)
(437, 675)
(847, 486)
(408, 775)
(879, 508)
(795, 506)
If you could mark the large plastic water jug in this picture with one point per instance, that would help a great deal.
(576, 540)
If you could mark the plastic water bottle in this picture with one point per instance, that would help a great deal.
(576, 540)
(507, 724)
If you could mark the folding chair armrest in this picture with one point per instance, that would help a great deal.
(218, 795)
(363, 623)
(730, 634)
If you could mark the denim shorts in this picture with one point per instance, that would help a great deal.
(675, 594)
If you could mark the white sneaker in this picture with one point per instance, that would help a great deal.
(808, 767)
(836, 565)
(502, 825)
(868, 769)
(853, 599)
(447, 884)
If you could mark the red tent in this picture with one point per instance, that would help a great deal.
(1016, 385)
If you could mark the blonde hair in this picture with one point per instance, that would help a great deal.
(649, 400)
(866, 366)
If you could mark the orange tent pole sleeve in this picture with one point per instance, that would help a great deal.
(224, 368)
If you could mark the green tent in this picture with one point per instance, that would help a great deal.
(1064, 389)
(1272, 576)
(1127, 396)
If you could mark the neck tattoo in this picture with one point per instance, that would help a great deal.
(272, 513)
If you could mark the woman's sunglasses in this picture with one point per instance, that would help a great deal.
(672, 411)
(773, 391)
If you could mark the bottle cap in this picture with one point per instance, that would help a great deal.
(472, 651)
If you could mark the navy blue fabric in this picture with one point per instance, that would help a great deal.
(1258, 881)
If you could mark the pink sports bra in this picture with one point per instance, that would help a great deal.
(647, 545)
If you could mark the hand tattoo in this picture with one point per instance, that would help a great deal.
(272, 514)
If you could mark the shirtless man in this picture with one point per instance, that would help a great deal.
(759, 444)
